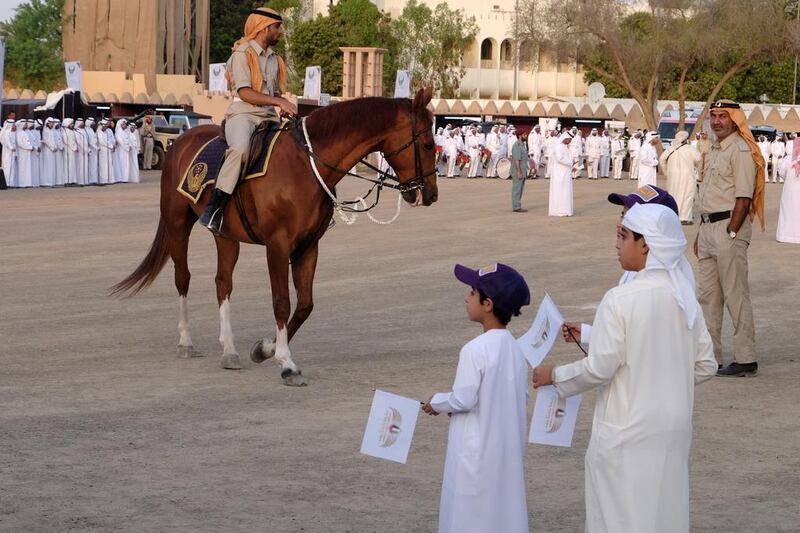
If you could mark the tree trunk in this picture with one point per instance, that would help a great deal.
(682, 97)
(715, 91)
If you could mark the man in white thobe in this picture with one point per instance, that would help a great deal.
(535, 149)
(493, 145)
(605, 154)
(649, 349)
(71, 150)
(58, 137)
(122, 152)
(634, 145)
(83, 152)
(648, 160)
(35, 133)
(451, 151)
(549, 148)
(679, 163)
(112, 143)
(593, 153)
(618, 151)
(50, 154)
(560, 201)
(474, 151)
(24, 156)
(576, 152)
(133, 155)
(105, 163)
(8, 138)
(764, 148)
(778, 151)
(93, 148)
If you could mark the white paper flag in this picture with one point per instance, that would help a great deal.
(537, 341)
(553, 421)
(390, 427)
(216, 77)
(402, 84)
(313, 84)
(72, 70)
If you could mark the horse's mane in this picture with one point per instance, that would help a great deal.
(371, 115)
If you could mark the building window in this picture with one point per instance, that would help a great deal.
(486, 50)
(506, 55)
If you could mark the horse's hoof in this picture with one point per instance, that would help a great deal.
(293, 379)
(187, 352)
(258, 354)
(231, 361)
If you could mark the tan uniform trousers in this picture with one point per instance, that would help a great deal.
(147, 153)
(238, 129)
(722, 281)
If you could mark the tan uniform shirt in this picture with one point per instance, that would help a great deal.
(147, 130)
(729, 172)
(240, 77)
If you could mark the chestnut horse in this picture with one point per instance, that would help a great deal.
(288, 209)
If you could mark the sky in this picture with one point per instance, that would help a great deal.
(7, 8)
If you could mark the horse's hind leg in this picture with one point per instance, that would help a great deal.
(227, 255)
(178, 249)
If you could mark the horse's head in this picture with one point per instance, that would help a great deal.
(410, 150)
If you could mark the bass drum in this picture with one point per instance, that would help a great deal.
(504, 168)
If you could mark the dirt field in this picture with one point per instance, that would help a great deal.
(104, 429)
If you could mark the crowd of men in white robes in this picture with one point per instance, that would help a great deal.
(78, 152)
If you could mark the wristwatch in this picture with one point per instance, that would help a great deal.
(731, 234)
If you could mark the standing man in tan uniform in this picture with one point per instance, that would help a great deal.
(732, 189)
(148, 133)
(257, 77)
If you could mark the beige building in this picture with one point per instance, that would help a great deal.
(490, 63)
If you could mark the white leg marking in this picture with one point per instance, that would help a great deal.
(282, 353)
(183, 322)
(225, 331)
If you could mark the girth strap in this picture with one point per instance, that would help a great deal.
(243, 217)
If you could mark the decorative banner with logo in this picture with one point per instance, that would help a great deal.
(553, 421)
(216, 77)
(73, 73)
(312, 88)
(537, 341)
(390, 427)
(402, 84)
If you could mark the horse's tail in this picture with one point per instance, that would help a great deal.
(147, 271)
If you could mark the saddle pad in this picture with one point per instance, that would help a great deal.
(206, 163)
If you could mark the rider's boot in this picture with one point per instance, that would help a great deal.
(212, 216)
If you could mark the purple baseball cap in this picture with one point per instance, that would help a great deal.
(504, 285)
(649, 194)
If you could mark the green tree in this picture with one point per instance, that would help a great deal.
(430, 45)
(34, 57)
(349, 23)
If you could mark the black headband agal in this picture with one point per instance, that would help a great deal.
(267, 14)
(719, 104)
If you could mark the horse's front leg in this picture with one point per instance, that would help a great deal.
(227, 255)
(278, 264)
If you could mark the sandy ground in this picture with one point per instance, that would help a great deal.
(104, 429)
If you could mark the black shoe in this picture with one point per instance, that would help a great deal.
(212, 215)
(735, 370)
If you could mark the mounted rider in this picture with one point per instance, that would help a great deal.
(257, 77)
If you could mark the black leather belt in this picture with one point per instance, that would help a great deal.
(715, 217)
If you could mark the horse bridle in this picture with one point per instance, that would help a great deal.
(419, 177)
(417, 183)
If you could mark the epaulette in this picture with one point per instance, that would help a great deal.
(742, 145)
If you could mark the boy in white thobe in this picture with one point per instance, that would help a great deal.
(634, 144)
(24, 156)
(94, 147)
(650, 347)
(484, 488)
(8, 138)
(133, 155)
